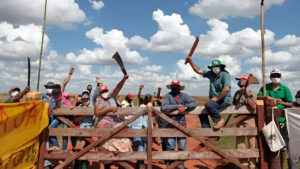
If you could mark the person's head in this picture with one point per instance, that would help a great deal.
(147, 99)
(49, 87)
(104, 92)
(216, 67)
(298, 97)
(129, 97)
(85, 97)
(275, 76)
(242, 80)
(14, 90)
(89, 88)
(175, 87)
(56, 93)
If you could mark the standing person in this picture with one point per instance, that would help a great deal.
(63, 99)
(219, 92)
(128, 100)
(248, 98)
(280, 96)
(176, 100)
(86, 122)
(106, 103)
(15, 94)
(293, 160)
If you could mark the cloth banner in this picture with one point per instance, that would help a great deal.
(293, 123)
(20, 126)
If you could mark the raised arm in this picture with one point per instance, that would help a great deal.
(140, 94)
(96, 92)
(100, 111)
(194, 66)
(20, 95)
(120, 85)
(63, 86)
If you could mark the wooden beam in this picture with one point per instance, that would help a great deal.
(163, 132)
(131, 111)
(156, 155)
(149, 140)
(42, 148)
(101, 140)
(206, 143)
(263, 156)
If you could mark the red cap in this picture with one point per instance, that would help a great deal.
(130, 96)
(242, 77)
(103, 89)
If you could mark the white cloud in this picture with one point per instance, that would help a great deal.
(110, 41)
(291, 42)
(230, 8)
(152, 68)
(232, 64)
(172, 34)
(85, 69)
(17, 43)
(97, 5)
(136, 42)
(60, 13)
(280, 58)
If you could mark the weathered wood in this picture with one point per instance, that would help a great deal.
(149, 140)
(263, 158)
(101, 140)
(163, 132)
(156, 155)
(42, 148)
(237, 120)
(206, 143)
(131, 111)
(66, 121)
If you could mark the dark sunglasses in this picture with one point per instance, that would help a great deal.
(276, 75)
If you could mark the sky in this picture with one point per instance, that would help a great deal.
(152, 37)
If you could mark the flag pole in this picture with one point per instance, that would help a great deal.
(263, 46)
(41, 51)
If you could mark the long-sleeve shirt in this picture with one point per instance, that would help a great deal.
(170, 102)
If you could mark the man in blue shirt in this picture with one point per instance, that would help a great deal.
(219, 92)
(176, 100)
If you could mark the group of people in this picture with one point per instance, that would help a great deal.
(105, 101)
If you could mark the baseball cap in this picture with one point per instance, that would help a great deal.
(103, 89)
(130, 96)
(242, 77)
(275, 71)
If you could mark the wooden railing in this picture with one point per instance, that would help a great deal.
(105, 134)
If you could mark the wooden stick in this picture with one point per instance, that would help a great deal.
(101, 140)
(206, 143)
(263, 65)
(149, 140)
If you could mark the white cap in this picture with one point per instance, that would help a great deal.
(275, 71)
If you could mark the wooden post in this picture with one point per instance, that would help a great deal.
(42, 148)
(149, 140)
(263, 46)
(263, 163)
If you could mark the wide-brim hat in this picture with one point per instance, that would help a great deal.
(216, 63)
(14, 88)
(176, 82)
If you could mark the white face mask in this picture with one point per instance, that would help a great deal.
(14, 93)
(276, 80)
(216, 70)
(105, 95)
(298, 100)
(49, 91)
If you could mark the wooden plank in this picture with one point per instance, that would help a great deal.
(263, 156)
(66, 121)
(101, 140)
(131, 111)
(129, 132)
(149, 140)
(42, 148)
(206, 143)
(156, 155)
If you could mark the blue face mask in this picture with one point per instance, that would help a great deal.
(240, 84)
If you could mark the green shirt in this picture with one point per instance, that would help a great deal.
(217, 83)
(282, 93)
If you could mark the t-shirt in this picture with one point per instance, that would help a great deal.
(64, 100)
(108, 121)
(217, 83)
(282, 93)
(47, 100)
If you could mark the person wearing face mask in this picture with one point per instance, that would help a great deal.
(277, 94)
(176, 100)
(15, 94)
(128, 101)
(106, 103)
(248, 98)
(219, 92)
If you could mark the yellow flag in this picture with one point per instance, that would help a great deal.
(20, 126)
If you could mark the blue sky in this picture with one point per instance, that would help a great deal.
(153, 38)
